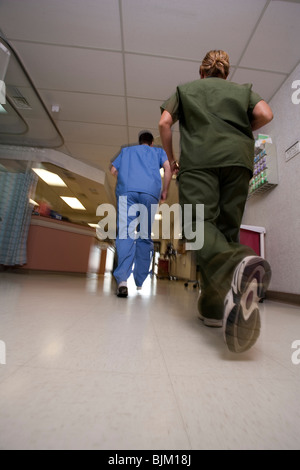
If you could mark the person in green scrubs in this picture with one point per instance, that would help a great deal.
(217, 119)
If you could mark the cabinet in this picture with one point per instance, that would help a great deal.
(54, 245)
(163, 268)
(265, 175)
(254, 237)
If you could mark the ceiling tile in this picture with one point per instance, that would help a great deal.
(143, 113)
(86, 107)
(157, 78)
(73, 69)
(189, 29)
(87, 23)
(100, 155)
(274, 45)
(264, 83)
(93, 133)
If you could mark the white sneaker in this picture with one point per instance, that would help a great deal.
(211, 322)
(241, 326)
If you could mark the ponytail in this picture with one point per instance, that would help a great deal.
(215, 64)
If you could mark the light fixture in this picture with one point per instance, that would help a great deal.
(2, 92)
(4, 60)
(50, 178)
(22, 98)
(32, 202)
(73, 202)
(94, 225)
(55, 108)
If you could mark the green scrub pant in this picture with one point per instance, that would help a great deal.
(223, 191)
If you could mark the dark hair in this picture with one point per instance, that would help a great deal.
(146, 137)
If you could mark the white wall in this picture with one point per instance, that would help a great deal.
(279, 210)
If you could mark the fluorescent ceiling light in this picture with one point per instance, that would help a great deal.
(2, 110)
(94, 225)
(73, 202)
(50, 178)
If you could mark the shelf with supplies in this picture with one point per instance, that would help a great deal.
(265, 176)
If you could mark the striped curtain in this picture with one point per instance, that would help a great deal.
(15, 216)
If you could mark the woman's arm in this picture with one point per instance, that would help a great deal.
(165, 131)
(167, 180)
(261, 115)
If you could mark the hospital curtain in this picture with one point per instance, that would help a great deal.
(15, 215)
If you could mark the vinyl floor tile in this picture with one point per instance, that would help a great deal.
(84, 369)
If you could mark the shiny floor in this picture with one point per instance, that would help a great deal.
(83, 369)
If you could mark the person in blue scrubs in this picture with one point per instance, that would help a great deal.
(138, 191)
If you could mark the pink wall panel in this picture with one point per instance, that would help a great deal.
(251, 239)
(50, 249)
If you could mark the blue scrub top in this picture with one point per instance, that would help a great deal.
(139, 170)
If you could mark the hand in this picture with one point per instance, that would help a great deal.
(164, 196)
(174, 167)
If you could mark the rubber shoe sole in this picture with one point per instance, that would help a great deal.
(241, 325)
(211, 322)
(122, 291)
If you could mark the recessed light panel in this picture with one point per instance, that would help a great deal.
(50, 178)
(73, 202)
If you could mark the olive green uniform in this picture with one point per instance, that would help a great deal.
(216, 164)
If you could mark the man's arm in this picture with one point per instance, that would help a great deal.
(167, 180)
(261, 115)
(165, 131)
(114, 171)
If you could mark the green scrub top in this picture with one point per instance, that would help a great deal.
(214, 118)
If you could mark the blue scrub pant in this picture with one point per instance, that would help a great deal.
(134, 213)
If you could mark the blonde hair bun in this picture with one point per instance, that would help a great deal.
(215, 64)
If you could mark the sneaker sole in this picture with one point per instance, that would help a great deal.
(122, 294)
(242, 323)
(211, 322)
